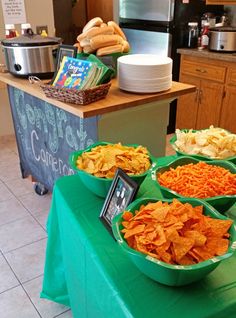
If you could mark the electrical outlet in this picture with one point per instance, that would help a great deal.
(40, 28)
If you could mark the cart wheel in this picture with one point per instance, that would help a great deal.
(40, 189)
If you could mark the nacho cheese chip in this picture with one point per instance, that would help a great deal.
(200, 180)
(102, 161)
(188, 240)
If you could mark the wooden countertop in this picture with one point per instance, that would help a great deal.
(115, 100)
(227, 57)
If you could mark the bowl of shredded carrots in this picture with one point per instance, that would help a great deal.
(211, 181)
(212, 143)
(174, 241)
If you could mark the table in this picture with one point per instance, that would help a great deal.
(86, 269)
(47, 130)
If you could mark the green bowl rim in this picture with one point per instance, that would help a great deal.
(99, 143)
(211, 162)
(174, 138)
(216, 259)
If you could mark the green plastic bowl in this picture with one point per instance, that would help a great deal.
(164, 273)
(100, 186)
(221, 203)
(200, 157)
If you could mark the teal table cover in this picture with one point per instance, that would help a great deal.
(86, 269)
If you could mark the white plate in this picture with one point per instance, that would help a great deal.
(144, 60)
(138, 89)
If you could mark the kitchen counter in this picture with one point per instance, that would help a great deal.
(47, 130)
(227, 57)
(115, 100)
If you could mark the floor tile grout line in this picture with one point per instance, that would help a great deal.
(18, 219)
(31, 301)
(31, 279)
(30, 213)
(62, 313)
(8, 289)
(15, 249)
(11, 268)
(21, 284)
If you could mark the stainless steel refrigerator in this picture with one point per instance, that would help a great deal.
(160, 27)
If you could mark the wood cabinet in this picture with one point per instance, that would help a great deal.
(213, 103)
(228, 113)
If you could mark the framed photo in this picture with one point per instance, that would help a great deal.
(120, 195)
(65, 50)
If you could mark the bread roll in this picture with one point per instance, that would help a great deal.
(84, 42)
(109, 50)
(103, 25)
(125, 47)
(79, 48)
(83, 35)
(105, 40)
(92, 23)
(117, 29)
(88, 49)
(99, 31)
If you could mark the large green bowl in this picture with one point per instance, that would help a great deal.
(221, 203)
(168, 274)
(200, 157)
(100, 186)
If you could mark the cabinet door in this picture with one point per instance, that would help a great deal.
(210, 101)
(228, 113)
(100, 8)
(187, 105)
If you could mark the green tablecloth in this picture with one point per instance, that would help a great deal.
(86, 269)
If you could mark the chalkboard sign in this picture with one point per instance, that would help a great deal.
(46, 135)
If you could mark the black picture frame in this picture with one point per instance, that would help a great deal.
(64, 50)
(121, 193)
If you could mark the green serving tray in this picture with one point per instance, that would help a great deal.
(220, 203)
(200, 157)
(100, 186)
(164, 273)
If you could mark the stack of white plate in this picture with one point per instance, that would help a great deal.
(144, 73)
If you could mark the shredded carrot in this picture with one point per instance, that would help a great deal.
(199, 180)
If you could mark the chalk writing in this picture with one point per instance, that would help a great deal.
(46, 135)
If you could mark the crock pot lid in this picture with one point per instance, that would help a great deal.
(31, 40)
(223, 29)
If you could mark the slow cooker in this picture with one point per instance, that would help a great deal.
(222, 39)
(31, 55)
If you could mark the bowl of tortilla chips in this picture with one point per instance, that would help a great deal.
(211, 181)
(174, 242)
(97, 164)
(207, 144)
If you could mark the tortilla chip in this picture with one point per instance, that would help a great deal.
(176, 233)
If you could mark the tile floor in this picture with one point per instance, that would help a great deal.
(23, 238)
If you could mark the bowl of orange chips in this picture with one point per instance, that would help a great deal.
(97, 164)
(174, 242)
(213, 143)
(211, 181)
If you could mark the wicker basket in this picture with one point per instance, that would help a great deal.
(75, 96)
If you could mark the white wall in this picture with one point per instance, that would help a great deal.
(38, 12)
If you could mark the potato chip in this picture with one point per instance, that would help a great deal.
(102, 161)
(176, 233)
(215, 143)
